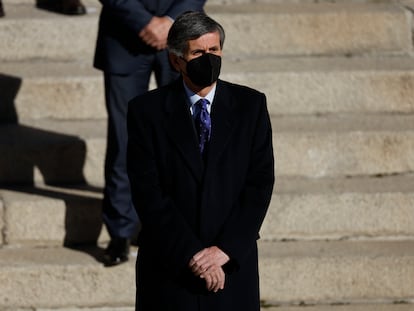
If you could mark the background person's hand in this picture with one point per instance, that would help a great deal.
(155, 33)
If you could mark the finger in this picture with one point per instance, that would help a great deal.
(145, 34)
(192, 262)
(197, 272)
(214, 287)
(198, 262)
(208, 281)
(201, 262)
(219, 280)
(142, 33)
(213, 284)
(198, 255)
(209, 278)
(217, 285)
(222, 279)
(162, 46)
(195, 266)
(159, 46)
(213, 280)
(201, 269)
(195, 269)
(147, 39)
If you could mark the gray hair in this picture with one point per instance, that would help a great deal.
(190, 26)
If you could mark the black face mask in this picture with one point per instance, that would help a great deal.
(204, 70)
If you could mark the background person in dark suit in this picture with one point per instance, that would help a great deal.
(202, 175)
(130, 46)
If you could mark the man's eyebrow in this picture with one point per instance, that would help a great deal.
(197, 51)
(214, 47)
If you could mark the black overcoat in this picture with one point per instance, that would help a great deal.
(186, 203)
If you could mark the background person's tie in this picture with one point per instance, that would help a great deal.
(203, 123)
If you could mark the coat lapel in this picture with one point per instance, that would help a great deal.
(180, 127)
(222, 120)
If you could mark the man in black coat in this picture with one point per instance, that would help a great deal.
(201, 167)
(130, 47)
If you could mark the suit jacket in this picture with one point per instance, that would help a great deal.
(118, 45)
(186, 204)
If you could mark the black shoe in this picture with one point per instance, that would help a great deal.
(73, 7)
(1, 9)
(117, 252)
(68, 7)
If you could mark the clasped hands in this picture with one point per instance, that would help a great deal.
(207, 264)
(156, 31)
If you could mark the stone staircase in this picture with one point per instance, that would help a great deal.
(339, 77)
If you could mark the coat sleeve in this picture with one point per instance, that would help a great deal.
(136, 16)
(130, 12)
(164, 229)
(180, 7)
(242, 228)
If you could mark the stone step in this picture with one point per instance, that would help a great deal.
(341, 208)
(74, 90)
(90, 4)
(60, 157)
(324, 146)
(291, 272)
(349, 307)
(319, 85)
(232, 2)
(46, 215)
(252, 29)
(301, 209)
(315, 29)
(313, 272)
(55, 90)
(62, 277)
(343, 145)
(30, 33)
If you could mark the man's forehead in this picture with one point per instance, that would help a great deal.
(207, 40)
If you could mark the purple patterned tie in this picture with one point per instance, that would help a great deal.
(203, 123)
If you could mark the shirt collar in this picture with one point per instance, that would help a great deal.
(193, 97)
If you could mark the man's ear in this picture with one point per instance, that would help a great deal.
(174, 61)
